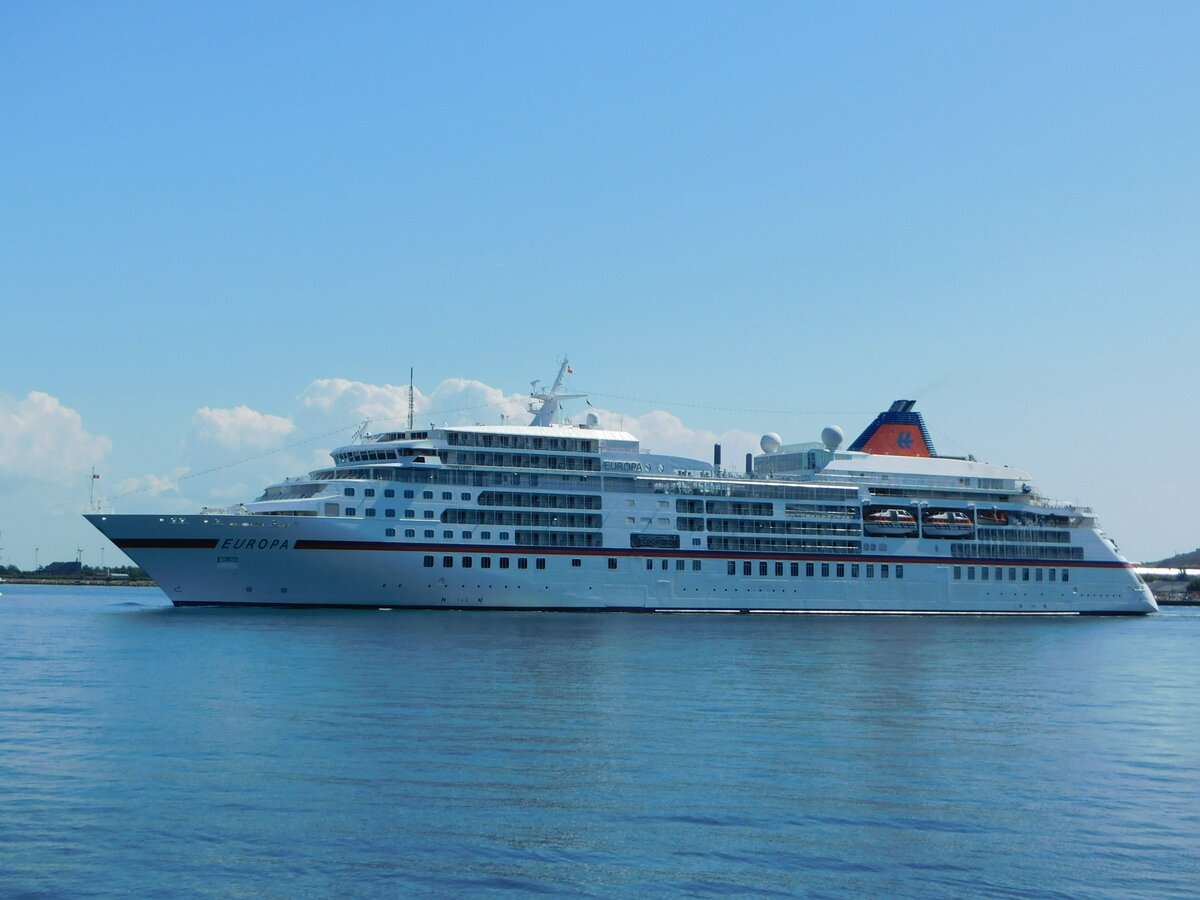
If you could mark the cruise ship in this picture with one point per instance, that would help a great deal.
(560, 516)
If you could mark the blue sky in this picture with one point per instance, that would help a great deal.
(226, 228)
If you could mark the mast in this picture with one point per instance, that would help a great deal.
(549, 412)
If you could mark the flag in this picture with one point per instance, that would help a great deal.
(570, 371)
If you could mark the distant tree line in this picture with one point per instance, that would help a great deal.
(74, 570)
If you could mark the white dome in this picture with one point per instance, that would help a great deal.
(831, 437)
(770, 442)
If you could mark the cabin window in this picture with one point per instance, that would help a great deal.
(983, 572)
(447, 534)
(1065, 574)
(540, 563)
(795, 569)
(504, 562)
(428, 513)
(665, 564)
(465, 495)
(1053, 574)
(427, 495)
(447, 495)
(841, 570)
(389, 514)
(649, 565)
(576, 563)
(762, 568)
(970, 573)
(369, 512)
(854, 570)
(824, 570)
(466, 535)
(612, 563)
(429, 562)
(391, 532)
(730, 567)
(466, 562)
(410, 514)
(809, 569)
(679, 565)
(408, 495)
(871, 570)
(999, 573)
(408, 532)
(349, 511)
(1024, 574)
(778, 569)
(746, 569)
(1038, 574)
(899, 571)
(349, 492)
(883, 571)
(368, 492)
(447, 562)
(958, 573)
(389, 492)
(522, 563)
(485, 562)
(1012, 573)
(695, 565)
(428, 532)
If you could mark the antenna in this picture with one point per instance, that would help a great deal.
(410, 398)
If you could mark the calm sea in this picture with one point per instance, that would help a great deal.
(152, 752)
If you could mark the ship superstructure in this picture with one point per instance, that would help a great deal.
(555, 516)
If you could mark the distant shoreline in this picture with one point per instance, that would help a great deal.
(89, 582)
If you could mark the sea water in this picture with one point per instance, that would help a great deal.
(147, 751)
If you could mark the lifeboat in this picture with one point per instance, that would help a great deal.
(948, 523)
(890, 521)
(993, 516)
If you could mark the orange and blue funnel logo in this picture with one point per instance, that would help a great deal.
(897, 432)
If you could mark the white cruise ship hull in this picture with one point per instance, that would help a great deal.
(314, 561)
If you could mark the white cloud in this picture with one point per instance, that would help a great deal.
(42, 439)
(150, 485)
(241, 425)
(455, 400)
(664, 432)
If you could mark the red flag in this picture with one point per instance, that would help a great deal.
(570, 371)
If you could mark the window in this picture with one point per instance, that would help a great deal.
(695, 565)
(504, 562)
(504, 535)
(1038, 573)
(983, 572)
(540, 563)
(1012, 573)
(854, 570)
(447, 495)
(1024, 574)
(841, 570)
(447, 562)
(824, 570)
(427, 495)
(409, 532)
(679, 565)
(410, 514)
(349, 492)
(368, 492)
(428, 514)
(429, 562)
(389, 492)
(1053, 573)
(883, 571)
(465, 495)
(447, 534)
(778, 568)
(408, 495)
(665, 564)
(762, 568)
(1065, 573)
(958, 573)
(746, 570)
(369, 512)
(349, 511)
(428, 532)
(522, 563)
(795, 569)
(871, 570)
(999, 573)
(389, 514)
(485, 535)
(466, 535)
(809, 569)
(730, 567)
(970, 573)
(485, 562)
(649, 565)
(612, 563)
(899, 571)
(466, 562)
(576, 563)
(390, 532)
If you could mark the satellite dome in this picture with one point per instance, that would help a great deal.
(831, 437)
(592, 420)
(770, 442)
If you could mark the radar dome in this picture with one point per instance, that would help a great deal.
(592, 420)
(831, 437)
(770, 442)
